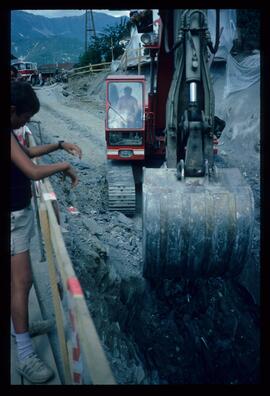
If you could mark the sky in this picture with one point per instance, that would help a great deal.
(62, 13)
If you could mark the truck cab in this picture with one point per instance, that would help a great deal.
(27, 71)
(125, 117)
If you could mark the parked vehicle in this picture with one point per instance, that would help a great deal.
(27, 71)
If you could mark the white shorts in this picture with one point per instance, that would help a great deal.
(22, 230)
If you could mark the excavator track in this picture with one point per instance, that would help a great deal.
(121, 188)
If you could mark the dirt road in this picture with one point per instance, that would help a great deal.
(72, 124)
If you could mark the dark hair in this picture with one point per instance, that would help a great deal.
(24, 98)
(128, 89)
(15, 71)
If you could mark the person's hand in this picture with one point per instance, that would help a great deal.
(70, 172)
(72, 149)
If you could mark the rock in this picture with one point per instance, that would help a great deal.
(65, 93)
(115, 230)
(93, 226)
(257, 147)
(84, 87)
(125, 220)
(79, 163)
(139, 374)
(222, 152)
(98, 246)
(132, 241)
(93, 258)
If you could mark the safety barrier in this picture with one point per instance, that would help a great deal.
(91, 69)
(124, 63)
(82, 357)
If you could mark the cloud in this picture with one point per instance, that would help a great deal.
(116, 13)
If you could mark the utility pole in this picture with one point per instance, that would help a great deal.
(89, 28)
(112, 47)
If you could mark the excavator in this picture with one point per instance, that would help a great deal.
(197, 218)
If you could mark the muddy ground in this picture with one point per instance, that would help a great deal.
(205, 331)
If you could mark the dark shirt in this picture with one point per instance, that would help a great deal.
(20, 187)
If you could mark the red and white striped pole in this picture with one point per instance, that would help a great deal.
(75, 290)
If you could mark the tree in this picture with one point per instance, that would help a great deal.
(100, 48)
(92, 55)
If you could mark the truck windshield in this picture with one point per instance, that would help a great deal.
(126, 105)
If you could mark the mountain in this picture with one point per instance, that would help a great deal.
(49, 40)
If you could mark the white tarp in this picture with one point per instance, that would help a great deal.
(241, 75)
(228, 23)
(133, 48)
(115, 65)
(135, 43)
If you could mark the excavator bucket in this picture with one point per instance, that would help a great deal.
(195, 227)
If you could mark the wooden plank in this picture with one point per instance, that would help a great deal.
(97, 366)
(90, 69)
(92, 350)
(77, 74)
(42, 284)
(55, 295)
(43, 292)
(95, 357)
(89, 66)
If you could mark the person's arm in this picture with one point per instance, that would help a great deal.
(136, 107)
(37, 172)
(49, 148)
(120, 104)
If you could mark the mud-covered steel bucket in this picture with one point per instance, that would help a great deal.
(195, 227)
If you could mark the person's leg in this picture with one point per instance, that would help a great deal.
(21, 281)
(29, 365)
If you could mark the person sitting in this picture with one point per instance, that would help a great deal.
(128, 107)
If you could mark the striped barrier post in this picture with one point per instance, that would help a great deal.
(75, 291)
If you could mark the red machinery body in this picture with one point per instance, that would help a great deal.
(135, 140)
(125, 140)
(145, 138)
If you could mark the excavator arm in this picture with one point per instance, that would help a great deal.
(190, 105)
(197, 218)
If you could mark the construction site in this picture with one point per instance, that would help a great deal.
(127, 309)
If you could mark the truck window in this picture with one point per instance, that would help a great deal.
(126, 105)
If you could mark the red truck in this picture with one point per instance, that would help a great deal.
(27, 71)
